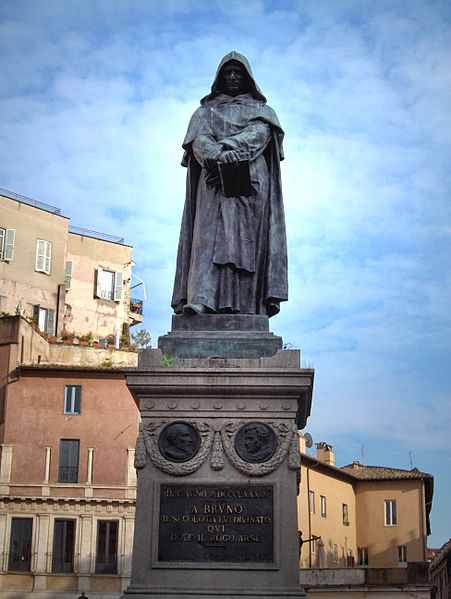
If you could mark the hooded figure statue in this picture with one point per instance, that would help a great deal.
(232, 255)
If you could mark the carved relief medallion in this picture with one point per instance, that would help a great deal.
(255, 442)
(179, 441)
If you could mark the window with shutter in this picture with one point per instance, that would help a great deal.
(7, 244)
(109, 284)
(43, 256)
(45, 319)
(72, 399)
(68, 277)
(117, 286)
(63, 546)
(50, 322)
(20, 545)
(68, 464)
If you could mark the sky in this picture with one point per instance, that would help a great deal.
(95, 98)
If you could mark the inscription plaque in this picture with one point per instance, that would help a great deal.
(216, 523)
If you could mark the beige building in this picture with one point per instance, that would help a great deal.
(68, 279)
(366, 516)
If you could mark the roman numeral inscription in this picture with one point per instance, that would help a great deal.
(216, 523)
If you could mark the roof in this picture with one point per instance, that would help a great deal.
(369, 473)
(71, 368)
(382, 472)
(444, 551)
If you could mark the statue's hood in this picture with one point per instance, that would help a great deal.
(255, 90)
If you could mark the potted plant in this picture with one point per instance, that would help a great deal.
(86, 339)
(67, 336)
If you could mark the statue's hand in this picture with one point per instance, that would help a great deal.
(229, 156)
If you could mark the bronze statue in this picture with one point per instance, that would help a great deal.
(232, 255)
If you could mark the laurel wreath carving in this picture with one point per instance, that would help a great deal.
(285, 436)
(219, 441)
(150, 432)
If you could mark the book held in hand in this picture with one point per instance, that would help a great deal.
(235, 178)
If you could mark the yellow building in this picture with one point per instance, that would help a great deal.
(66, 278)
(366, 516)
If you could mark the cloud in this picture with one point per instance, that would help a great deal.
(95, 99)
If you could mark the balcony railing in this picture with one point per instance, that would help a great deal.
(29, 201)
(63, 563)
(95, 234)
(68, 474)
(136, 306)
(106, 564)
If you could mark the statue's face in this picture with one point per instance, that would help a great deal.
(253, 442)
(234, 78)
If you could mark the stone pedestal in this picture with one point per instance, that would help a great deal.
(220, 336)
(218, 465)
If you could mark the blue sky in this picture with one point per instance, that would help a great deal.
(95, 98)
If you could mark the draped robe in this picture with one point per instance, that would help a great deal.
(232, 251)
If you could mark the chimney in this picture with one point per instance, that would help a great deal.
(324, 453)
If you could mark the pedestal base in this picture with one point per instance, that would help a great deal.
(220, 335)
(218, 465)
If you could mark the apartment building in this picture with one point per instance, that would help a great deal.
(366, 516)
(66, 278)
(67, 479)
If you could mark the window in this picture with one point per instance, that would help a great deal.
(363, 556)
(322, 502)
(106, 556)
(109, 285)
(43, 256)
(335, 553)
(72, 399)
(349, 559)
(68, 276)
(68, 466)
(20, 545)
(7, 244)
(311, 501)
(402, 556)
(63, 546)
(390, 512)
(314, 543)
(45, 319)
(345, 515)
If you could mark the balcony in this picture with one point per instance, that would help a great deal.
(136, 311)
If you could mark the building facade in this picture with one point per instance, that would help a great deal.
(67, 279)
(366, 516)
(67, 478)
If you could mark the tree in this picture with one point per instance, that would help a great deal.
(142, 338)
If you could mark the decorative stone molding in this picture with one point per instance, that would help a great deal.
(220, 440)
